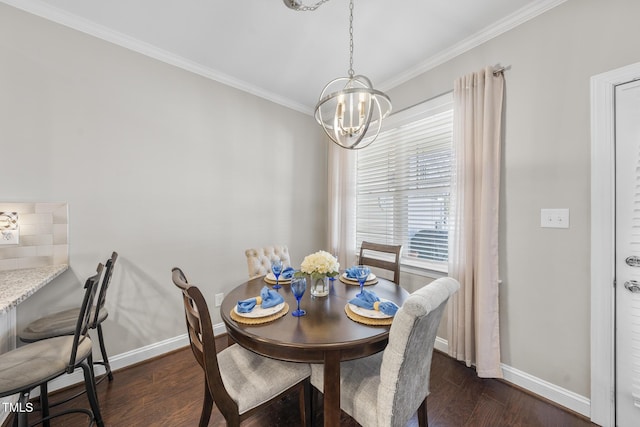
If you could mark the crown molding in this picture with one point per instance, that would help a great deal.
(46, 11)
(502, 26)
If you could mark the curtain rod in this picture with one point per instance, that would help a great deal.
(501, 69)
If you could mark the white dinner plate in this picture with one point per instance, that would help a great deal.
(272, 278)
(371, 314)
(370, 278)
(258, 311)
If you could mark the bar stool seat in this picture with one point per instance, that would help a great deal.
(28, 365)
(56, 324)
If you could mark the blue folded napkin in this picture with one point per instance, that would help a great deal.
(352, 272)
(268, 298)
(287, 273)
(370, 301)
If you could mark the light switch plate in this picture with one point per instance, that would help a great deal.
(9, 237)
(554, 218)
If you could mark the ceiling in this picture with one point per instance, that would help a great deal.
(287, 56)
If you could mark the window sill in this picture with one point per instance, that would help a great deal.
(433, 271)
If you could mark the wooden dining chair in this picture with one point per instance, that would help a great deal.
(64, 322)
(388, 388)
(34, 365)
(259, 259)
(240, 382)
(367, 249)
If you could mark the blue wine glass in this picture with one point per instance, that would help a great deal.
(362, 273)
(276, 267)
(298, 286)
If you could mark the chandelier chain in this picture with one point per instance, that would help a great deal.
(351, 38)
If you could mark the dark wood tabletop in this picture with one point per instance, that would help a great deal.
(324, 335)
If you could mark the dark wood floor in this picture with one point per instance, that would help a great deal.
(167, 391)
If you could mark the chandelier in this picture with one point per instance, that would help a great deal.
(349, 107)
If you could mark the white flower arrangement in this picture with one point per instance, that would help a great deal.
(320, 264)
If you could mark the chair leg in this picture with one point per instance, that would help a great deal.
(103, 350)
(90, 385)
(305, 403)
(44, 404)
(422, 414)
(21, 419)
(207, 406)
(315, 405)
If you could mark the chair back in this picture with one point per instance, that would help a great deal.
(102, 295)
(84, 318)
(406, 362)
(202, 339)
(259, 259)
(394, 266)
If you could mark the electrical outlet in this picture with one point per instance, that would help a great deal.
(9, 237)
(9, 230)
(219, 298)
(554, 218)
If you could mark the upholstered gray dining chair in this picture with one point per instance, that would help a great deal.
(388, 388)
(240, 382)
(259, 259)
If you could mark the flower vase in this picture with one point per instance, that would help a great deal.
(320, 287)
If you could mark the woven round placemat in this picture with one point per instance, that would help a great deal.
(366, 320)
(259, 320)
(356, 283)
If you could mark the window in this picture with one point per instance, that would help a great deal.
(403, 184)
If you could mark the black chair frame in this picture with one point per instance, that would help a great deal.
(86, 363)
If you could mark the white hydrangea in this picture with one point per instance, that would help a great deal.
(320, 264)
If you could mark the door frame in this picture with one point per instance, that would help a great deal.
(603, 240)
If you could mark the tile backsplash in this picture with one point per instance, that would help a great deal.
(44, 236)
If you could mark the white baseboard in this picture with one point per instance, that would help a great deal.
(442, 345)
(129, 358)
(552, 392)
(556, 394)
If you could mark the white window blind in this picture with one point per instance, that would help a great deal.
(403, 184)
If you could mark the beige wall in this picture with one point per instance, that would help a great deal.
(544, 300)
(161, 165)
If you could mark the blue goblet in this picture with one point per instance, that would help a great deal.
(298, 286)
(276, 268)
(362, 273)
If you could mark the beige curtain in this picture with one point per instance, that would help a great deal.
(473, 237)
(342, 204)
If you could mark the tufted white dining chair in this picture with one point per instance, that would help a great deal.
(259, 259)
(388, 388)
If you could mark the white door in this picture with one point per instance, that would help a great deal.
(627, 114)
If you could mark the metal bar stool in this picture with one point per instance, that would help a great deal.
(34, 365)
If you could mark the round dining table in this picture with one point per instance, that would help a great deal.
(324, 335)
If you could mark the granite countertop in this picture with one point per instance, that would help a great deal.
(18, 285)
